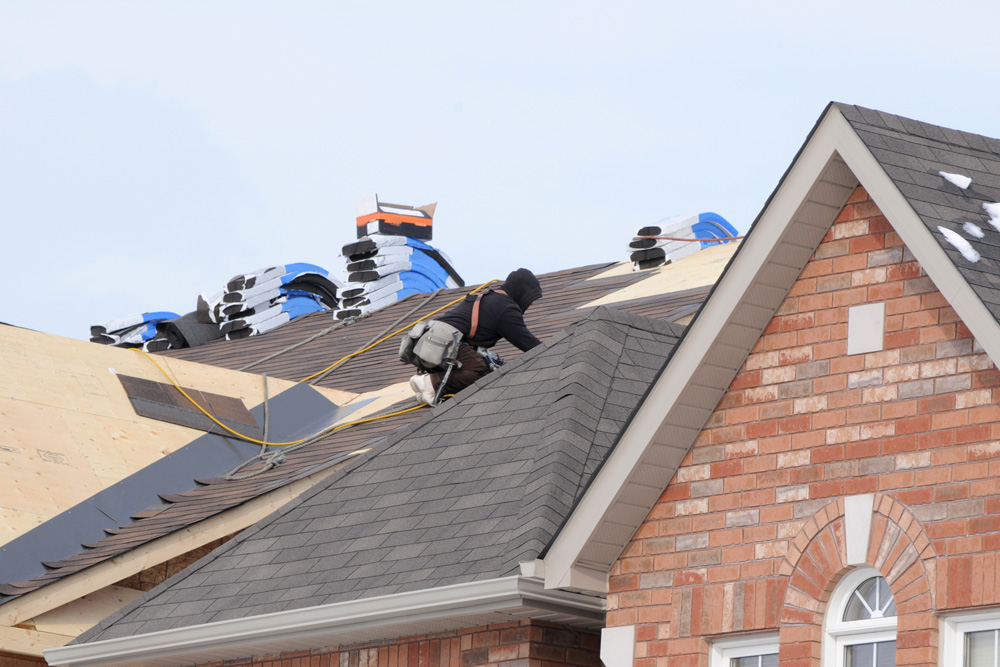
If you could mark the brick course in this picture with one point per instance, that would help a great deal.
(748, 535)
(514, 644)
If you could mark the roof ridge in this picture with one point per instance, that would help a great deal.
(568, 452)
(856, 115)
(484, 459)
(393, 440)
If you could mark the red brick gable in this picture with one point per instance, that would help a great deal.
(728, 547)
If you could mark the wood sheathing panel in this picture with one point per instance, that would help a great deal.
(67, 428)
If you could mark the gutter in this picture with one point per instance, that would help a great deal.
(342, 623)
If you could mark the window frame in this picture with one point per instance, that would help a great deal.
(839, 634)
(723, 650)
(954, 627)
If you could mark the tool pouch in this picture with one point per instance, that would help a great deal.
(430, 345)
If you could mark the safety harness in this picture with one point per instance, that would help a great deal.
(475, 315)
(432, 345)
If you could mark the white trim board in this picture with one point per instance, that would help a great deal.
(831, 164)
(343, 623)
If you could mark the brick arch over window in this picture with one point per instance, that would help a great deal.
(818, 558)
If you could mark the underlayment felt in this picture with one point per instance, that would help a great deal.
(188, 331)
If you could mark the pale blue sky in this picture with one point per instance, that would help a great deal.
(151, 150)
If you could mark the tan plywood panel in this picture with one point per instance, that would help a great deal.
(697, 270)
(68, 430)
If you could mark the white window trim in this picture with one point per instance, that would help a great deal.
(837, 634)
(724, 650)
(953, 630)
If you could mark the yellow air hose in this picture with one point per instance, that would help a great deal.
(331, 429)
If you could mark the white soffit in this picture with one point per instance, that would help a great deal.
(345, 623)
(665, 426)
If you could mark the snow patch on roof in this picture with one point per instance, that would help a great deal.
(972, 229)
(993, 210)
(960, 243)
(956, 179)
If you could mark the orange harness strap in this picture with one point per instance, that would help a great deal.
(475, 310)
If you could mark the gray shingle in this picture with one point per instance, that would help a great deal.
(464, 495)
(912, 154)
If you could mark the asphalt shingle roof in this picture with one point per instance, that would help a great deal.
(465, 494)
(912, 154)
(565, 292)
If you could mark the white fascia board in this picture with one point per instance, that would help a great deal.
(919, 240)
(518, 595)
(584, 579)
(757, 249)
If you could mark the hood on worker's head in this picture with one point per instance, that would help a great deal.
(523, 287)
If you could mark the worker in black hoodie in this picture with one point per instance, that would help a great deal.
(501, 315)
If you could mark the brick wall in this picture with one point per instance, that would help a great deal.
(12, 660)
(748, 536)
(515, 644)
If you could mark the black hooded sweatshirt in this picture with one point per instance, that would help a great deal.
(500, 315)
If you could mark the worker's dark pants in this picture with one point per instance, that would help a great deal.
(473, 367)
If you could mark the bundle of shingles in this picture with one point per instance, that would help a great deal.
(262, 300)
(251, 303)
(391, 260)
(674, 239)
(130, 331)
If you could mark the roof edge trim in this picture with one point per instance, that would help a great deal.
(607, 489)
(513, 594)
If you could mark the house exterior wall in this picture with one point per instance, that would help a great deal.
(515, 644)
(13, 660)
(750, 535)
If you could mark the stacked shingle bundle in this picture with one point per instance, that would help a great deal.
(130, 331)
(676, 239)
(259, 301)
(391, 259)
(385, 269)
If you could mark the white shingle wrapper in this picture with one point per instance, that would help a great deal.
(961, 244)
(993, 210)
(972, 229)
(956, 179)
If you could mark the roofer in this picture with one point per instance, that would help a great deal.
(482, 320)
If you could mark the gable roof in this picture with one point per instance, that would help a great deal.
(213, 509)
(897, 161)
(465, 495)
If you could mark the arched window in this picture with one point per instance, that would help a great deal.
(860, 622)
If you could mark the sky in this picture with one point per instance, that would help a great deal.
(149, 151)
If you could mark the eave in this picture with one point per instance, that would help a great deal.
(356, 621)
